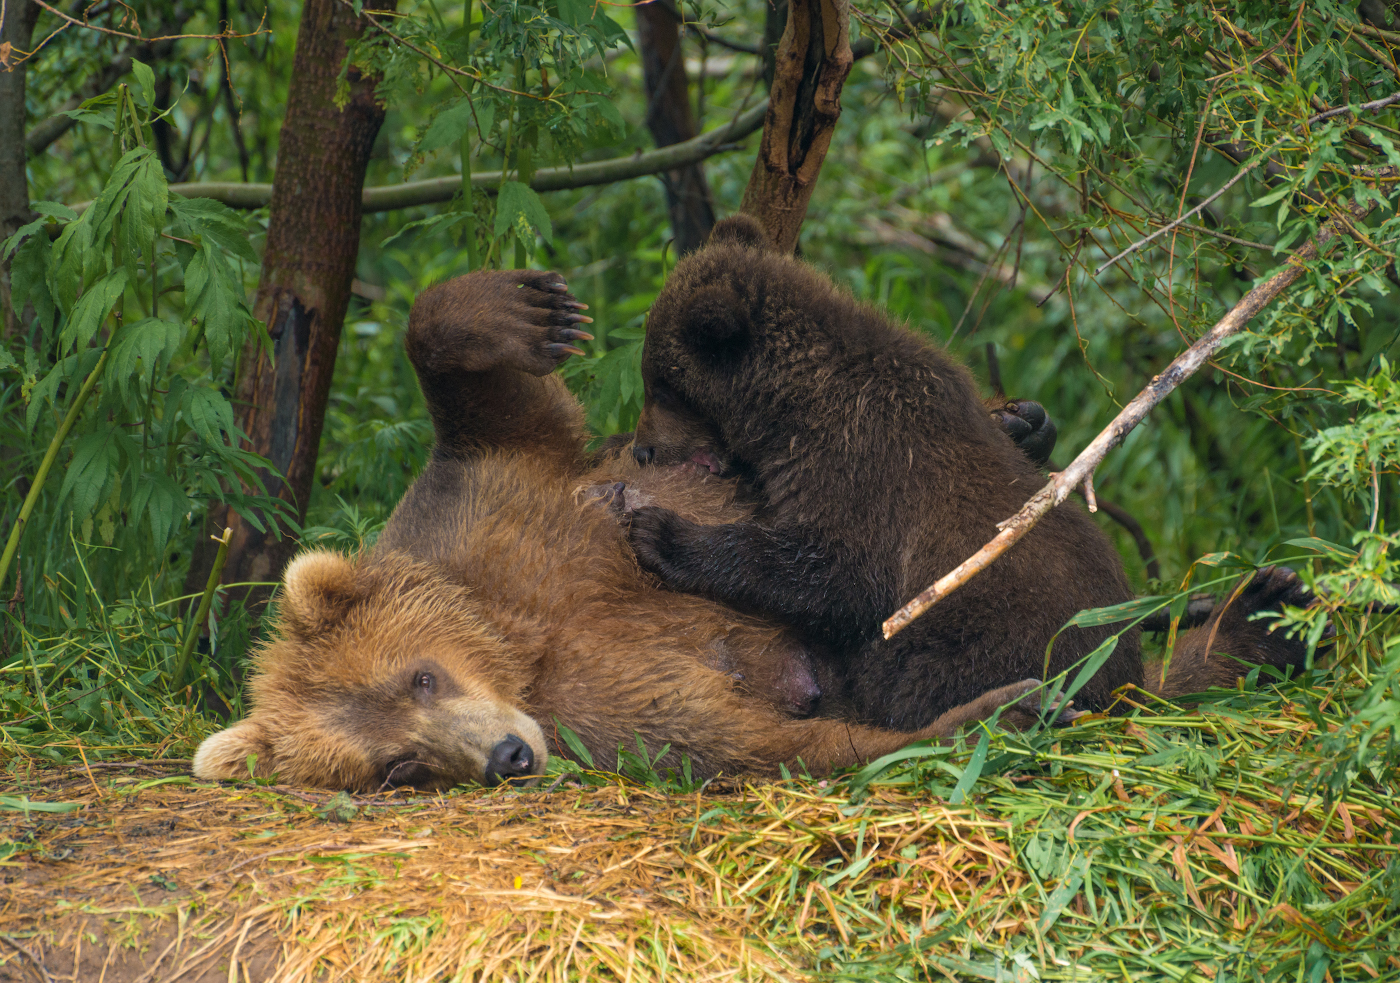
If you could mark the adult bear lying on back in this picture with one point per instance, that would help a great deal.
(876, 469)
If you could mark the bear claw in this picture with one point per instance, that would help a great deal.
(561, 351)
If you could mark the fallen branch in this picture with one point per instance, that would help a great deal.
(1081, 470)
(411, 194)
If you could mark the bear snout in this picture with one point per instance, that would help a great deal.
(511, 758)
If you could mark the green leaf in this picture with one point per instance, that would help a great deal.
(1093, 662)
(7, 361)
(518, 204)
(162, 502)
(29, 279)
(21, 803)
(448, 126)
(1322, 546)
(209, 415)
(92, 309)
(94, 462)
(973, 771)
(1127, 611)
(151, 341)
(215, 221)
(574, 744)
(1066, 890)
(146, 78)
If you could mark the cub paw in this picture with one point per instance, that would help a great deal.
(1029, 427)
(656, 533)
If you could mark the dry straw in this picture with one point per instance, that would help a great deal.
(1182, 848)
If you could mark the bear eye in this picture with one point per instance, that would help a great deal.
(425, 681)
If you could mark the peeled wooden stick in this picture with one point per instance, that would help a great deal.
(1081, 469)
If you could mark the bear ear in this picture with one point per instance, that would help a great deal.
(715, 318)
(739, 230)
(318, 590)
(224, 756)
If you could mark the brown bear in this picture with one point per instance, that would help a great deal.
(503, 596)
(875, 468)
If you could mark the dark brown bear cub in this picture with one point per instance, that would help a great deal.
(876, 469)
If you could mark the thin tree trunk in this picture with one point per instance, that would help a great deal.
(811, 65)
(309, 262)
(671, 121)
(20, 17)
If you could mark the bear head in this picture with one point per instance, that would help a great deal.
(380, 676)
(699, 332)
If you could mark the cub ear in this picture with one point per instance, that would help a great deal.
(224, 756)
(715, 318)
(739, 230)
(318, 590)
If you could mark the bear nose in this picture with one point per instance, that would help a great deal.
(512, 758)
(644, 455)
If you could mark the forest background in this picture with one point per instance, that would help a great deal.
(988, 162)
(203, 322)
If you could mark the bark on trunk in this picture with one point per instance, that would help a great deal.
(308, 265)
(811, 65)
(671, 121)
(20, 17)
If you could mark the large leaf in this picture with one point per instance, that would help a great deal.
(448, 126)
(91, 309)
(162, 501)
(94, 461)
(149, 343)
(518, 204)
(216, 222)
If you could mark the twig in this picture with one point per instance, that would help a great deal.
(1373, 105)
(38, 963)
(1081, 469)
(1201, 207)
(136, 37)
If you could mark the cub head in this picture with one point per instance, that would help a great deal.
(699, 333)
(380, 676)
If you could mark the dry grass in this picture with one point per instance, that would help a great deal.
(1164, 848)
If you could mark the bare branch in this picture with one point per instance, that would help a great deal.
(1081, 470)
(413, 193)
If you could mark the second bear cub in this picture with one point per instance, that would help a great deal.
(876, 469)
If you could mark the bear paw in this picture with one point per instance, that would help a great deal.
(657, 535)
(1029, 427)
(1239, 631)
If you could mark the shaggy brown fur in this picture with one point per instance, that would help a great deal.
(876, 470)
(503, 596)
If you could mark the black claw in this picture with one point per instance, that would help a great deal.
(573, 334)
(562, 351)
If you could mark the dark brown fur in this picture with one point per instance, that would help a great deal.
(876, 469)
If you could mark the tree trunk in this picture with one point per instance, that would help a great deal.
(309, 262)
(670, 119)
(811, 65)
(20, 17)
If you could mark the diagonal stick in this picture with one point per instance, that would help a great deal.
(1081, 469)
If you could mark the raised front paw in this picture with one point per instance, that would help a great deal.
(1029, 427)
(519, 319)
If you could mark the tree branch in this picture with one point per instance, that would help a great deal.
(411, 194)
(1081, 469)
